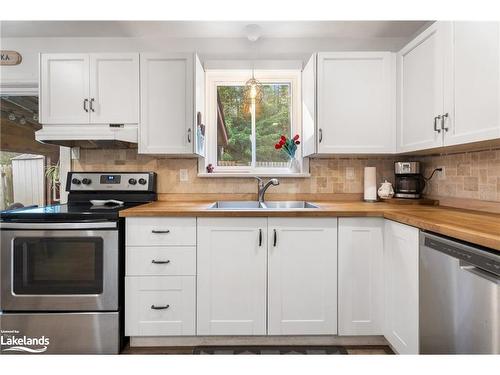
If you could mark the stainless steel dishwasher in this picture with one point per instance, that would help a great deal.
(459, 297)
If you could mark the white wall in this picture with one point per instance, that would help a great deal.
(207, 48)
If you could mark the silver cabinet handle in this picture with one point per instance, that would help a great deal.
(92, 104)
(442, 122)
(85, 102)
(435, 124)
(320, 135)
(160, 231)
(189, 135)
(160, 261)
(154, 307)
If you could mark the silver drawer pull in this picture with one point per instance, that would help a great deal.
(160, 231)
(160, 261)
(154, 307)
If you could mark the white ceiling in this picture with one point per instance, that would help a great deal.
(212, 29)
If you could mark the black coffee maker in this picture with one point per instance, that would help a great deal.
(410, 183)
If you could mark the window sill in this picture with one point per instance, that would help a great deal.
(252, 175)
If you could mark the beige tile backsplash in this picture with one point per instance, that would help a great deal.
(474, 175)
(327, 175)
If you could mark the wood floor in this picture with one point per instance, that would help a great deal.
(355, 350)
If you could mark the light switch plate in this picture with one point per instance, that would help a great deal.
(183, 175)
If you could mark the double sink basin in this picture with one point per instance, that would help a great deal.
(255, 205)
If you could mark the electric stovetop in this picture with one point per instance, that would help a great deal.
(66, 212)
(130, 188)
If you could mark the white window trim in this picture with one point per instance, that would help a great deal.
(217, 77)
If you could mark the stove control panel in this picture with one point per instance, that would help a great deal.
(119, 181)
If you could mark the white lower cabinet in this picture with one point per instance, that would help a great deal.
(361, 288)
(401, 249)
(232, 269)
(160, 276)
(285, 266)
(302, 276)
(160, 306)
(273, 276)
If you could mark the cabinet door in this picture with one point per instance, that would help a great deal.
(420, 86)
(114, 88)
(232, 268)
(309, 131)
(401, 248)
(199, 122)
(361, 289)
(356, 102)
(302, 276)
(166, 104)
(64, 88)
(472, 97)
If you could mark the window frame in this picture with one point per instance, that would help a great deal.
(221, 77)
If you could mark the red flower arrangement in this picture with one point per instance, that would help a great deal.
(289, 146)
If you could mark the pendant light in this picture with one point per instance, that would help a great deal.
(253, 92)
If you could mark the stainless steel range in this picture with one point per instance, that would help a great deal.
(62, 267)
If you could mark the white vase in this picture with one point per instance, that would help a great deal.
(294, 165)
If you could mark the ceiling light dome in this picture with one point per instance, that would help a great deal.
(253, 32)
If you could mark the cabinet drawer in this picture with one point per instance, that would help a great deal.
(160, 305)
(155, 231)
(160, 261)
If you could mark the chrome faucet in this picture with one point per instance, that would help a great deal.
(264, 186)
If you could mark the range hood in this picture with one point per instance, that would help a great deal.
(89, 136)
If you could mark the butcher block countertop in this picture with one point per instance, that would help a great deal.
(472, 226)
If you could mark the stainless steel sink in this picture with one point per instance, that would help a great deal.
(287, 205)
(254, 205)
(235, 205)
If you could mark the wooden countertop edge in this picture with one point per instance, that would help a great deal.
(472, 236)
(402, 214)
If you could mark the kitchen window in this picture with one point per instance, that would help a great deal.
(241, 133)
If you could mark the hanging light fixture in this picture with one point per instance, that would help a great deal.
(253, 88)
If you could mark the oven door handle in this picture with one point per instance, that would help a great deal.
(35, 226)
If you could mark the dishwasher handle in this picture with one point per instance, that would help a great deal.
(479, 272)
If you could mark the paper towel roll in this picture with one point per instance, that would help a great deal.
(370, 184)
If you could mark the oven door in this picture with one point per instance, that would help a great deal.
(59, 267)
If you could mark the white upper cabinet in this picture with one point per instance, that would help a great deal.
(199, 126)
(449, 86)
(472, 96)
(361, 289)
(171, 94)
(232, 269)
(302, 278)
(401, 248)
(348, 103)
(356, 102)
(89, 88)
(114, 88)
(64, 88)
(420, 87)
(309, 133)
